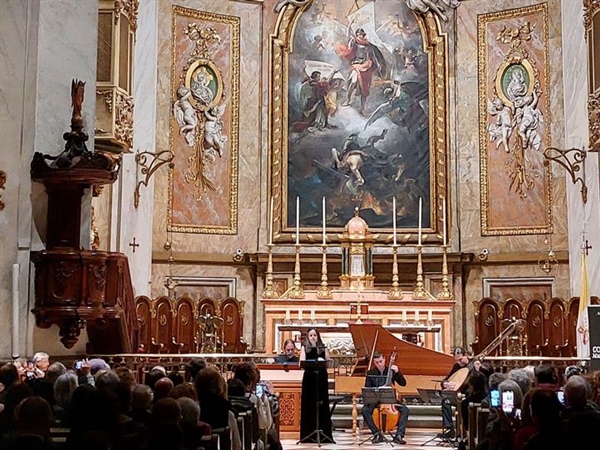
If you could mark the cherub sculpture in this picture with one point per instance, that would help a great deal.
(213, 140)
(422, 6)
(185, 114)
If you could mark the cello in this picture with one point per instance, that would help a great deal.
(388, 410)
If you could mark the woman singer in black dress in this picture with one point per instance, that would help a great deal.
(315, 389)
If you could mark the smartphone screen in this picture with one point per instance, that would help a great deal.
(259, 390)
(78, 364)
(561, 396)
(508, 401)
(495, 398)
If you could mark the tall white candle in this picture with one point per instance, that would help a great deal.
(394, 222)
(420, 217)
(297, 220)
(271, 223)
(324, 234)
(444, 221)
(15, 311)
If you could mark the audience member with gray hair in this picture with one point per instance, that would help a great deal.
(582, 417)
(64, 386)
(521, 377)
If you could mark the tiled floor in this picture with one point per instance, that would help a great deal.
(415, 438)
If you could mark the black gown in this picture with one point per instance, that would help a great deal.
(315, 388)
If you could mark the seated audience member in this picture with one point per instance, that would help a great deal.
(215, 409)
(130, 434)
(125, 375)
(582, 416)
(97, 364)
(41, 361)
(104, 379)
(44, 386)
(570, 371)
(240, 402)
(9, 375)
(14, 395)
(522, 378)
(193, 428)
(546, 414)
(192, 368)
(545, 377)
(183, 390)
(32, 420)
(64, 386)
(499, 430)
(155, 374)
(175, 376)
(162, 388)
(141, 404)
(289, 355)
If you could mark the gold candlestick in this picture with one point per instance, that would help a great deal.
(297, 291)
(270, 290)
(420, 293)
(445, 293)
(324, 290)
(395, 292)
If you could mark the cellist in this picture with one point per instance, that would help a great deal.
(377, 377)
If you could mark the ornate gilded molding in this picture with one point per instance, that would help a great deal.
(107, 95)
(281, 50)
(124, 118)
(202, 102)
(514, 113)
(594, 120)
(129, 8)
(590, 7)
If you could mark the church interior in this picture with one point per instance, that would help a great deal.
(213, 177)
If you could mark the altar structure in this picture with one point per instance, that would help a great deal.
(416, 315)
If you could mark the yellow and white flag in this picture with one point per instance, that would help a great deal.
(583, 321)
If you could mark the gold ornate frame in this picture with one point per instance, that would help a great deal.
(199, 59)
(517, 55)
(280, 47)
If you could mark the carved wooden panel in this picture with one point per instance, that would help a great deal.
(184, 326)
(163, 325)
(486, 325)
(232, 317)
(549, 328)
(142, 309)
(556, 328)
(207, 306)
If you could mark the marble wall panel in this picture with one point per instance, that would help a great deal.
(250, 136)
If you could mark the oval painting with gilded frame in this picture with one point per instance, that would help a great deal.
(514, 80)
(205, 82)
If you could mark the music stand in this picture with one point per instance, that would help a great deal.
(450, 397)
(315, 365)
(376, 396)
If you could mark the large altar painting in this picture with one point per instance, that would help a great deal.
(358, 117)
(514, 118)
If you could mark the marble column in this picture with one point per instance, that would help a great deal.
(582, 217)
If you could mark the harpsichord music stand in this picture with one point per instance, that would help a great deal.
(315, 365)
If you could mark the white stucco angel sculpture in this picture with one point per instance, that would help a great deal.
(185, 114)
(422, 6)
(213, 126)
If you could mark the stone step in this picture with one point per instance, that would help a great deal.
(421, 416)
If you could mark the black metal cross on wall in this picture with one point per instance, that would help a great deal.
(134, 245)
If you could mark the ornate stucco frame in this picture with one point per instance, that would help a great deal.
(280, 47)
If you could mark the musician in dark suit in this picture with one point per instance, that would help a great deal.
(289, 356)
(461, 360)
(377, 377)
